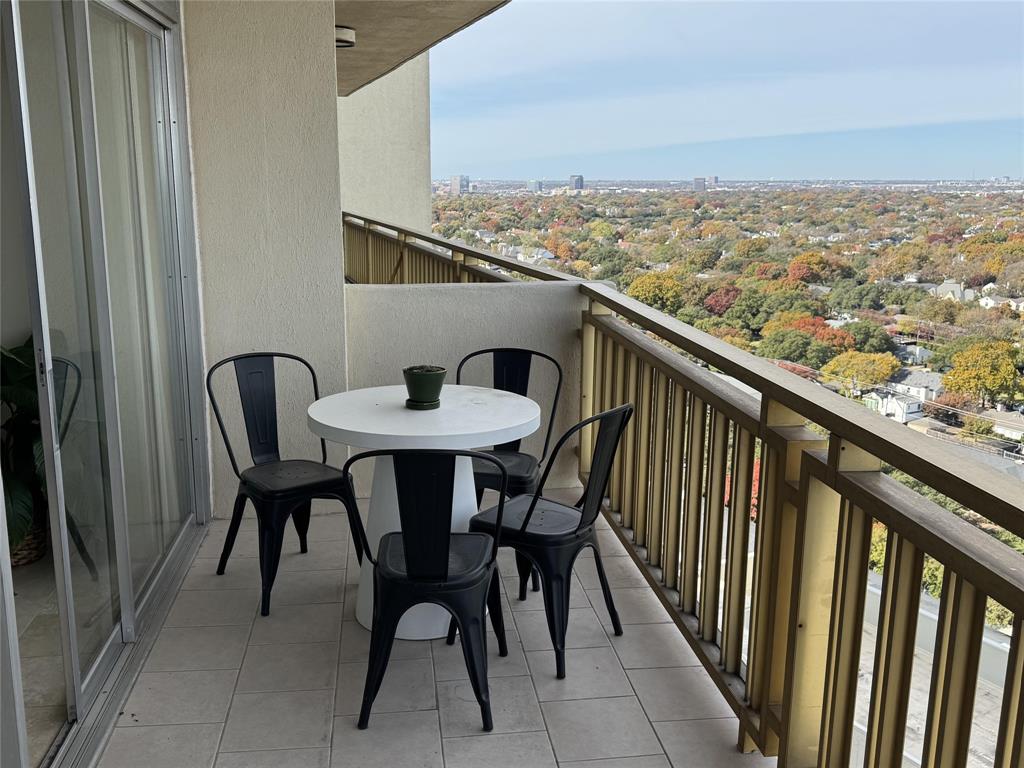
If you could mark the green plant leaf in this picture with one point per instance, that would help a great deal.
(19, 507)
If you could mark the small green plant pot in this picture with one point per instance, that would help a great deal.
(423, 383)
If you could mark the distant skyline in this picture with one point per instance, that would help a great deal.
(926, 89)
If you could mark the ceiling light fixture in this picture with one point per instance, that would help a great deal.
(344, 37)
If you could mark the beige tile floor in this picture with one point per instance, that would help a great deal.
(226, 688)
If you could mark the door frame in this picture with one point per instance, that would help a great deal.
(117, 659)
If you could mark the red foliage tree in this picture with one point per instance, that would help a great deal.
(802, 272)
(719, 301)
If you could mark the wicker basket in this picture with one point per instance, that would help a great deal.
(31, 548)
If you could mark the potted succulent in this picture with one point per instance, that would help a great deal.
(21, 455)
(423, 383)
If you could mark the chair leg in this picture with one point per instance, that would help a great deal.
(614, 614)
(386, 614)
(300, 517)
(525, 568)
(535, 579)
(474, 649)
(229, 540)
(556, 572)
(354, 525)
(497, 617)
(272, 519)
(453, 627)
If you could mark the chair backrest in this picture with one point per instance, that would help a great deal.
(66, 375)
(610, 426)
(257, 391)
(425, 481)
(511, 373)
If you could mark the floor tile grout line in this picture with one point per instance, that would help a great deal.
(629, 680)
(536, 693)
(234, 689)
(337, 674)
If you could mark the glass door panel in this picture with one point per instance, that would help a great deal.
(129, 89)
(83, 539)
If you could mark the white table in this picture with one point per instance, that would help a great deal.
(469, 417)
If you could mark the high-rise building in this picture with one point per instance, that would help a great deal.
(713, 181)
(533, 185)
(575, 182)
(700, 184)
(459, 185)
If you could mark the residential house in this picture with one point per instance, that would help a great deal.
(953, 291)
(917, 382)
(1008, 424)
(901, 408)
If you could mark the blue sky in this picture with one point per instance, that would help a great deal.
(629, 89)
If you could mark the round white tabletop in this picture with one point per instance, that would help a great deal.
(469, 417)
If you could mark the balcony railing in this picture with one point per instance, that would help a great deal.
(751, 511)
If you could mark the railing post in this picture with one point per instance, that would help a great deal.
(1010, 739)
(954, 673)
(714, 519)
(673, 516)
(894, 652)
(366, 251)
(741, 480)
(784, 437)
(846, 630)
(693, 495)
(403, 266)
(810, 620)
(588, 351)
(459, 260)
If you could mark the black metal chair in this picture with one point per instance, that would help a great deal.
(277, 488)
(511, 368)
(426, 563)
(550, 535)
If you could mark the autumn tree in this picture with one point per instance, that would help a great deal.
(987, 371)
(861, 370)
(660, 290)
(870, 337)
(752, 248)
(719, 301)
(949, 408)
(797, 347)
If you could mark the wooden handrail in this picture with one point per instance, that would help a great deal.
(512, 265)
(954, 542)
(973, 484)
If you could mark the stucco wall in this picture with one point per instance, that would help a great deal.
(392, 326)
(384, 147)
(264, 133)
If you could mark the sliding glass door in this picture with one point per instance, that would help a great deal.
(83, 605)
(129, 90)
(89, 122)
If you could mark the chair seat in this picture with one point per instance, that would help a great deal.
(550, 519)
(468, 556)
(294, 476)
(523, 472)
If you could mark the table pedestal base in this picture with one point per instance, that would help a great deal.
(421, 622)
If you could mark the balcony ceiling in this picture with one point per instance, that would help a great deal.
(390, 32)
